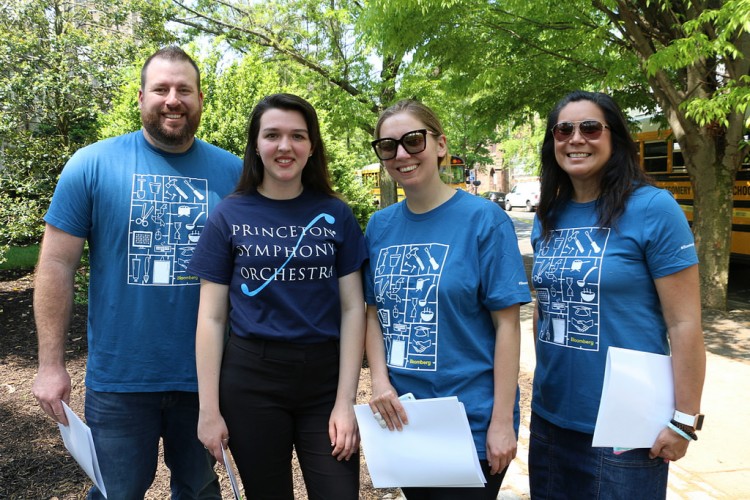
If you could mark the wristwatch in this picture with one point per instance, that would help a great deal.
(694, 421)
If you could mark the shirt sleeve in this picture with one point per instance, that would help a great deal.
(503, 275)
(352, 252)
(669, 241)
(71, 207)
(368, 276)
(213, 258)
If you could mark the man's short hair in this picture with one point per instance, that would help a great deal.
(171, 53)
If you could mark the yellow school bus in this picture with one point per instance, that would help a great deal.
(661, 157)
(452, 174)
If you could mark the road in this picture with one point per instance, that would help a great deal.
(738, 292)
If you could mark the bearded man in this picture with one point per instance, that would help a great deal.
(140, 200)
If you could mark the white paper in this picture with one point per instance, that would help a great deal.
(637, 399)
(79, 442)
(435, 449)
(229, 464)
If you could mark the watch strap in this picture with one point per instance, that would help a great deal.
(685, 431)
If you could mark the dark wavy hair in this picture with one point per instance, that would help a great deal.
(315, 175)
(621, 175)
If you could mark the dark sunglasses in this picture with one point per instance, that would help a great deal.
(413, 142)
(590, 130)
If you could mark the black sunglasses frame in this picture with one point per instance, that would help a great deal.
(590, 130)
(422, 131)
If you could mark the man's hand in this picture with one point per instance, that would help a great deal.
(52, 387)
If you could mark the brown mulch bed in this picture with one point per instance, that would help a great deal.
(34, 462)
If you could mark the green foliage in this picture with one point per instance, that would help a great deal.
(81, 279)
(520, 146)
(230, 97)
(59, 61)
(23, 257)
(123, 114)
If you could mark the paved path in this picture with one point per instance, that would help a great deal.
(717, 466)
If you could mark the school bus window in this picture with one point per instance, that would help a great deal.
(661, 156)
(678, 161)
(655, 156)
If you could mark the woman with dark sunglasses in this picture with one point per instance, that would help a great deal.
(614, 266)
(443, 289)
(280, 265)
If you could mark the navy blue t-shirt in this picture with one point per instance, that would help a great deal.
(282, 260)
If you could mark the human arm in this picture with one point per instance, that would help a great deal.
(384, 398)
(501, 437)
(679, 294)
(342, 426)
(535, 322)
(59, 258)
(209, 349)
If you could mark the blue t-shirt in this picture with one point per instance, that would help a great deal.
(282, 260)
(595, 289)
(434, 278)
(142, 211)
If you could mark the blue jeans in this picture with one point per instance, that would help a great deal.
(563, 464)
(126, 428)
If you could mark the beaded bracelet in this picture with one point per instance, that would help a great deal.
(688, 437)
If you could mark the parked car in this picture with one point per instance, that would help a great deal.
(495, 196)
(525, 194)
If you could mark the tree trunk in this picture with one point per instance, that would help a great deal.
(712, 216)
(388, 190)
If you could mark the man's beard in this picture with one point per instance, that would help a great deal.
(170, 137)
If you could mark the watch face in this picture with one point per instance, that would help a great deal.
(698, 421)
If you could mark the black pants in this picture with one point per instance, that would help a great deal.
(275, 396)
(489, 492)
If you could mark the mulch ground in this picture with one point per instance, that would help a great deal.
(34, 463)
(33, 460)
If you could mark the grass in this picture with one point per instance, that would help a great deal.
(21, 257)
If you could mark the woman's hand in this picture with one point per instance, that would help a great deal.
(213, 433)
(501, 446)
(343, 431)
(669, 445)
(386, 405)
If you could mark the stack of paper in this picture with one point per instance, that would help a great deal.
(435, 450)
(637, 399)
(77, 438)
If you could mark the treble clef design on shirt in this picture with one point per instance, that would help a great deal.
(251, 293)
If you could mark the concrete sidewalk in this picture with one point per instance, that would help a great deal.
(716, 466)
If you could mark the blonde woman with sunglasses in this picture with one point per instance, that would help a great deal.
(614, 266)
(443, 288)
